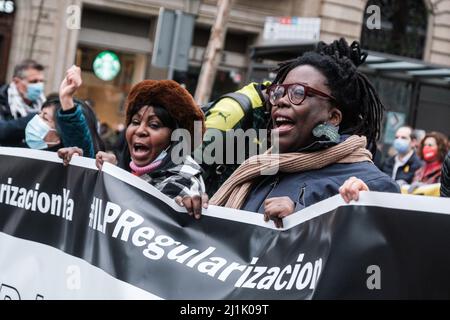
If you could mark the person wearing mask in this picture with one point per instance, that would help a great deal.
(405, 163)
(25, 93)
(20, 100)
(432, 150)
(65, 122)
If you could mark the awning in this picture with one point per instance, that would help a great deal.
(281, 50)
(377, 63)
(392, 66)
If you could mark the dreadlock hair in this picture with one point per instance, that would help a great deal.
(362, 110)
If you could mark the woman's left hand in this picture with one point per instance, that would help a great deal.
(277, 208)
(193, 204)
(351, 188)
(67, 153)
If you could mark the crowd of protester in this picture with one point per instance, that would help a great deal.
(326, 114)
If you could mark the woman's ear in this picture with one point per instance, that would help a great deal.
(335, 116)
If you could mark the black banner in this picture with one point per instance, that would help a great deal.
(74, 232)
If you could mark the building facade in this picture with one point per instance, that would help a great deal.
(59, 33)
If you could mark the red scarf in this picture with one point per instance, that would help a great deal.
(430, 172)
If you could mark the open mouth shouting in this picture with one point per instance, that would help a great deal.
(283, 123)
(140, 152)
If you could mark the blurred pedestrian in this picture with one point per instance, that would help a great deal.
(20, 100)
(432, 150)
(405, 163)
(25, 94)
(417, 135)
(108, 135)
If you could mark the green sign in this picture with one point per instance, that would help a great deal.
(106, 65)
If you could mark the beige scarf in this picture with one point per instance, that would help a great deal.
(234, 191)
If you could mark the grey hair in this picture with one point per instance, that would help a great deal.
(19, 70)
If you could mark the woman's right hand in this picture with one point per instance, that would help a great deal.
(277, 208)
(193, 204)
(69, 86)
(351, 188)
(102, 157)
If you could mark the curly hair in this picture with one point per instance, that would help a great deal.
(441, 141)
(361, 107)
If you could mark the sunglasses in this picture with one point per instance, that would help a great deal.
(296, 93)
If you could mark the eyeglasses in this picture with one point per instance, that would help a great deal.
(296, 92)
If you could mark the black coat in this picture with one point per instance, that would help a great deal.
(5, 112)
(445, 177)
(12, 132)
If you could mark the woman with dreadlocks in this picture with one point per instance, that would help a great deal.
(325, 118)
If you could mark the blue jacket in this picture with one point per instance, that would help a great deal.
(307, 188)
(74, 131)
(405, 172)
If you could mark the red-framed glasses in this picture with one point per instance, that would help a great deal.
(296, 92)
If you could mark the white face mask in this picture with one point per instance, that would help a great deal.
(35, 133)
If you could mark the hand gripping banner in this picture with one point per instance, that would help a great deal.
(78, 233)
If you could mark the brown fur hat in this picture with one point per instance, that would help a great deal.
(170, 95)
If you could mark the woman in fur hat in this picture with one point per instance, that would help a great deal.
(154, 109)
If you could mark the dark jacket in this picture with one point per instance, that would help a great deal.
(5, 112)
(405, 172)
(12, 132)
(74, 131)
(445, 177)
(310, 187)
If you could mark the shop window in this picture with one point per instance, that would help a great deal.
(403, 28)
(100, 19)
(234, 41)
(108, 97)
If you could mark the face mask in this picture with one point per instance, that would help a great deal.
(161, 156)
(35, 133)
(34, 91)
(401, 145)
(429, 153)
